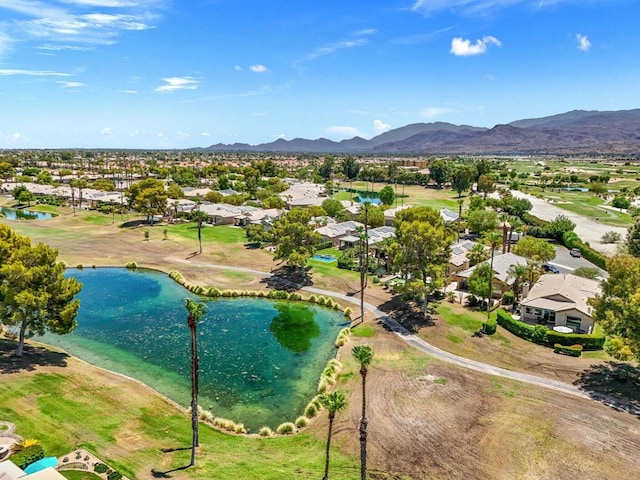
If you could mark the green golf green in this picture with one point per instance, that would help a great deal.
(260, 360)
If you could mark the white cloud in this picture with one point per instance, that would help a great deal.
(345, 132)
(432, 112)
(128, 92)
(205, 134)
(15, 137)
(182, 135)
(281, 135)
(464, 48)
(237, 68)
(258, 68)
(367, 31)
(178, 83)
(33, 73)
(380, 127)
(134, 133)
(488, 76)
(64, 84)
(467, 7)
(106, 132)
(80, 21)
(332, 48)
(583, 42)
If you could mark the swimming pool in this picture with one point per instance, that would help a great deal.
(324, 258)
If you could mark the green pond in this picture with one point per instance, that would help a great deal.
(260, 360)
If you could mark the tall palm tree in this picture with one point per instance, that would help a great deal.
(363, 355)
(334, 402)
(492, 239)
(364, 258)
(195, 311)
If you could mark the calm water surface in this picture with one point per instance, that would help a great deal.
(260, 360)
(23, 214)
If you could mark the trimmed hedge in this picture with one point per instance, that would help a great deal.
(588, 342)
(572, 351)
(490, 326)
(541, 335)
(323, 245)
(29, 455)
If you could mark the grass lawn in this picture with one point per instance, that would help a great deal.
(218, 234)
(468, 321)
(128, 426)
(365, 331)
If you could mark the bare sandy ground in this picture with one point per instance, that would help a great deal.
(588, 230)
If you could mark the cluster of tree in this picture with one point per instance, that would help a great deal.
(35, 296)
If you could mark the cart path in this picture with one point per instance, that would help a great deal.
(436, 352)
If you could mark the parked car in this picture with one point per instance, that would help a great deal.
(574, 252)
(550, 268)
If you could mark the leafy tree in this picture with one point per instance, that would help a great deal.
(620, 201)
(364, 356)
(214, 197)
(35, 296)
(421, 250)
(480, 221)
(255, 233)
(334, 402)
(18, 191)
(294, 237)
(518, 273)
(439, 171)
(516, 206)
(195, 311)
(387, 195)
(486, 184)
(462, 178)
(104, 185)
(535, 248)
(223, 182)
(149, 197)
(6, 170)
(476, 203)
(273, 201)
(374, 216)
(44, 178)
(350, 168)
(26, 197)
(557, 227)
(598, 188)
(618, 307)
(633, 238)
(332, 207)
(175, 192)
(326, 169)
(480, 279)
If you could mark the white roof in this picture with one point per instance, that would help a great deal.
(501, 265)
(335, 230)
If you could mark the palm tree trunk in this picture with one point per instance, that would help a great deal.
(490, 285)
(194, 394)
(20, 349)
(200, 234)
(363, 429)
(326, 462)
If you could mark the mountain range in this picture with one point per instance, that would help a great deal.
(575, 132)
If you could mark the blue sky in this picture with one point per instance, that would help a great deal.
(178, 74)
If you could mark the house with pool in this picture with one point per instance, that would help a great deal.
(561, 300)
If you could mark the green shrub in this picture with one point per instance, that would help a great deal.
(343, 337)
(286, 428)
(131, 265)
(114, 476)
(573, 350)
(79, 266)
(516, 327)
(508, 297)
(539, 334)
(28, 455)
(323, 385)
(301, 422)
(213, 292)
(311, 410)
(348, 312)
(265, 432)
(490, 326)
(588, 342)
(100, 468)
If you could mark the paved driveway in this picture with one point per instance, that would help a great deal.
(567, 264)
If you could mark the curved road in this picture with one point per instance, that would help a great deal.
(435, 352)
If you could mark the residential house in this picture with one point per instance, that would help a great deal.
(502, 281)
(390, 214)
(448, 216)
(10, 471)
(458, 260)
(342, 235)
(561, 300)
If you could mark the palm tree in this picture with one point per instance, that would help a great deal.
(195, 311)
(364, 258)
(363, 355)
(492, 239)
(334, 402)
(517, 273)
